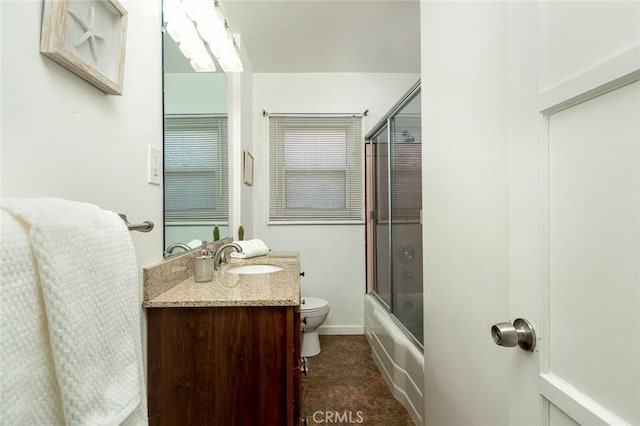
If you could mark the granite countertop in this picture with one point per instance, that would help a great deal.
(280, 288)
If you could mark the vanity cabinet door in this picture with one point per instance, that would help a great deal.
(222, 366)
(297, 357)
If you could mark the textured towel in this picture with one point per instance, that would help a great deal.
(29, 393)
(195, 243)
(251, 248)
(89, 280)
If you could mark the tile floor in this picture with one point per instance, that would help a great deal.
(345, 387)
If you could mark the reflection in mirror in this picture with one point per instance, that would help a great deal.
(195, 150)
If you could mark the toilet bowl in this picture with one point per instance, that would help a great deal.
(313, 312)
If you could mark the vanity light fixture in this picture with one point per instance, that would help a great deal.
(194, 23)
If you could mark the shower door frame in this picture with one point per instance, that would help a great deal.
(374, 216)
(385, 124)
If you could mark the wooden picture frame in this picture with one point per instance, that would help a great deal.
(88, 39)
(248, 168)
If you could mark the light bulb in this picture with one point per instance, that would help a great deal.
(170, 8)
(180, 27)
(192, 48)
(231, 63)
(203, 64)
(197, 8)
(211, 32)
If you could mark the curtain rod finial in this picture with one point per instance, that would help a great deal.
(265, 113)
(366, 112)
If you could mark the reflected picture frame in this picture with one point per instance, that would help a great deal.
(88, 39)
(248, 168)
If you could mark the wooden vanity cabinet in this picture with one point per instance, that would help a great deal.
(224, 365)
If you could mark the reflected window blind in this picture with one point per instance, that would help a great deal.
(406, 171)
(406, 168)
(316, 169)
(195, 168)
(382, 178)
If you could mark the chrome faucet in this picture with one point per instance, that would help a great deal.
(219, 257)
(169, 251)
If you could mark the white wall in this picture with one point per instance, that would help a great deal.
(195, 93)
(62, 137)
(248, 119)
(332, 256)
(577, 35)
(241, 139)
(464, 154)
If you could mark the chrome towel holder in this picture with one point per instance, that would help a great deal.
(146, 226)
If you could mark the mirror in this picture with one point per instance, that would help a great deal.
(196, 190)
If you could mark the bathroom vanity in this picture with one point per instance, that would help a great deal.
(226, 352)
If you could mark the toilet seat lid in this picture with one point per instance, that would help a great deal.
(313, 303)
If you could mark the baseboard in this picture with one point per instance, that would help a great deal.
(341, 329)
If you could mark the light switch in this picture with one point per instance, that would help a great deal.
(154, 165)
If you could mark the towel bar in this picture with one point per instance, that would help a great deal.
(146, 226)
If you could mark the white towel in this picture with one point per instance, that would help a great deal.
(251, 248)
(29, 393)
(88, 275)
(195, 243)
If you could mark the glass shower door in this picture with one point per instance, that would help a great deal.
(406, 204)
(394, 201)
(380, 219)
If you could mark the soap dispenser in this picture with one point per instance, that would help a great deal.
(203, 265)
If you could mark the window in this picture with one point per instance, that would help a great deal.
(316, 169)
(195, 168)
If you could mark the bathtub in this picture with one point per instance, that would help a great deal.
(398, 359)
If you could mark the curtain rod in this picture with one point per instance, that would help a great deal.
(266, 113)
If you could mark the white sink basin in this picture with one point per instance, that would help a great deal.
(254, 269)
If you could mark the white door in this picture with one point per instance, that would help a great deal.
(588, 353)
(591, 352)
(531, 192)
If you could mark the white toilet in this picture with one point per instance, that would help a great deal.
(313, 312)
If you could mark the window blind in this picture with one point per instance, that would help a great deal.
(316, 169)
(195, 168)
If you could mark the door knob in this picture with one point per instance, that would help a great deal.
(521, 333)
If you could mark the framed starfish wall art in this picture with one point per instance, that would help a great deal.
(88, 37)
